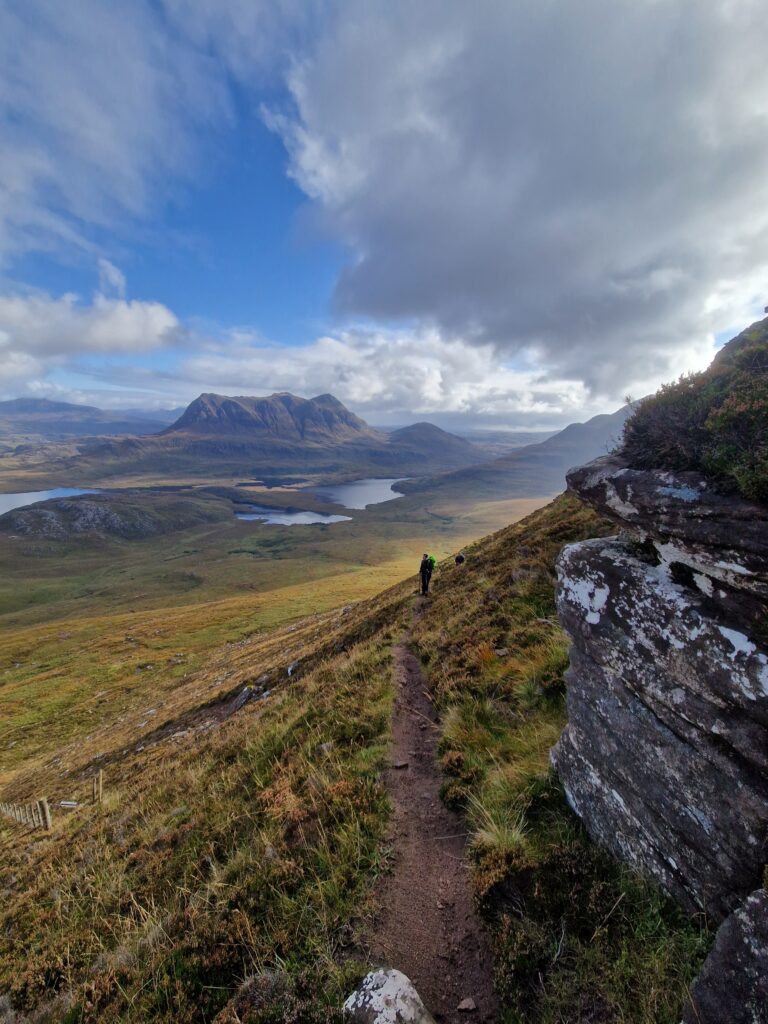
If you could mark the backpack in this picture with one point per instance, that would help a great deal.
(432, 562)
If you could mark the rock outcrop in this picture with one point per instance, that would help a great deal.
(733, 984)
(665, 755)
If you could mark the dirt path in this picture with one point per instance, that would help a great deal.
(427, 927)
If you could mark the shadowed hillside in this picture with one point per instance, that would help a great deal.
(533, 470)
(40, 417)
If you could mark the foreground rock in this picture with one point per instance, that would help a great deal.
(387, 997)
(733, 984)
(665, 755)
(721, 539)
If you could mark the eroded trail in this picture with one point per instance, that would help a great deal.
(427, 926)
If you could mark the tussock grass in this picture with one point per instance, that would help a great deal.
(251, 852)
(576, 936)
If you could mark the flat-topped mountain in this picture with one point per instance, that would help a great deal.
(280, 415)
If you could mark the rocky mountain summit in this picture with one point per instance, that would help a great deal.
(665, 756)
(280, 415)
(277, 436)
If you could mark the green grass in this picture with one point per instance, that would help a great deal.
(575, 935)
(252, 855)
(228, 866)
(93, 632)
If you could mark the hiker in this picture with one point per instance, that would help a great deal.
(460, 559)
(425, 571)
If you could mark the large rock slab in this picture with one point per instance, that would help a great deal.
(722, 537)
(387, 997)
(665, 755)
(733, 984)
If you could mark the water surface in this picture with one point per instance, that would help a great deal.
(287, 517)
(359, 493)
(22, 498)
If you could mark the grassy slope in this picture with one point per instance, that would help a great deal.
(102, 631)
(218, 853)
(249, 845)
(577, 937)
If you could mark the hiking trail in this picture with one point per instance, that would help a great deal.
(426, 924)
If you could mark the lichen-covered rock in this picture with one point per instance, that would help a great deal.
(722, 537)
(665, 755)
(387, 997)
(733, 984)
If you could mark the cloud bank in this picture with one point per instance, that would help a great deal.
(587, 182)
(544, 204)
(39, 333)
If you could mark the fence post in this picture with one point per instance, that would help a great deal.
(45, 813)
(101, 785)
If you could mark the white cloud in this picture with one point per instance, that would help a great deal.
(568, 201)
(98, 106)
(39, 333)
(586, 180)
(388, 375)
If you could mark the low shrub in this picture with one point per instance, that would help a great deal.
(715, 422)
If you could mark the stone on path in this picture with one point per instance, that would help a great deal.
(467, 1005)
(387, 997)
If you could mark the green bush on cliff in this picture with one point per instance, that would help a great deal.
(715, 421)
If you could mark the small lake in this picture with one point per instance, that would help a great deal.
(359, 493)
(286, 517)
(22, 498)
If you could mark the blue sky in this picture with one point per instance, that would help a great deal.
(482, 215)
(235, 246)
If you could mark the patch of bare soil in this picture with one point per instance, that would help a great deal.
(426, 926)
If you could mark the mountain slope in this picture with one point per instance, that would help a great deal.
(278, 435)
(282, 416)
(240, 834)
(40, 417)
(536, 469)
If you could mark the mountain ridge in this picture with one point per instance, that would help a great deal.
(50, 419)
(533, 470)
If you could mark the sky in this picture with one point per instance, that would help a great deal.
(488, 214)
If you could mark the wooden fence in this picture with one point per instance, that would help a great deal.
(36, 815)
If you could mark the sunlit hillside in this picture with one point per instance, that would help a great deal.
(240, 839)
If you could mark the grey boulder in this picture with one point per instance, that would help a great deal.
(387, 997)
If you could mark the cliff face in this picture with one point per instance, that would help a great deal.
(665, 756)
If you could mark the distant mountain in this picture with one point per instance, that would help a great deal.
(426, 437)
(53, 421)
(536, 470)
(282, 416)
(278, 436)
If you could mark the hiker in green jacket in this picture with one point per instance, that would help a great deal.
(425, 571)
